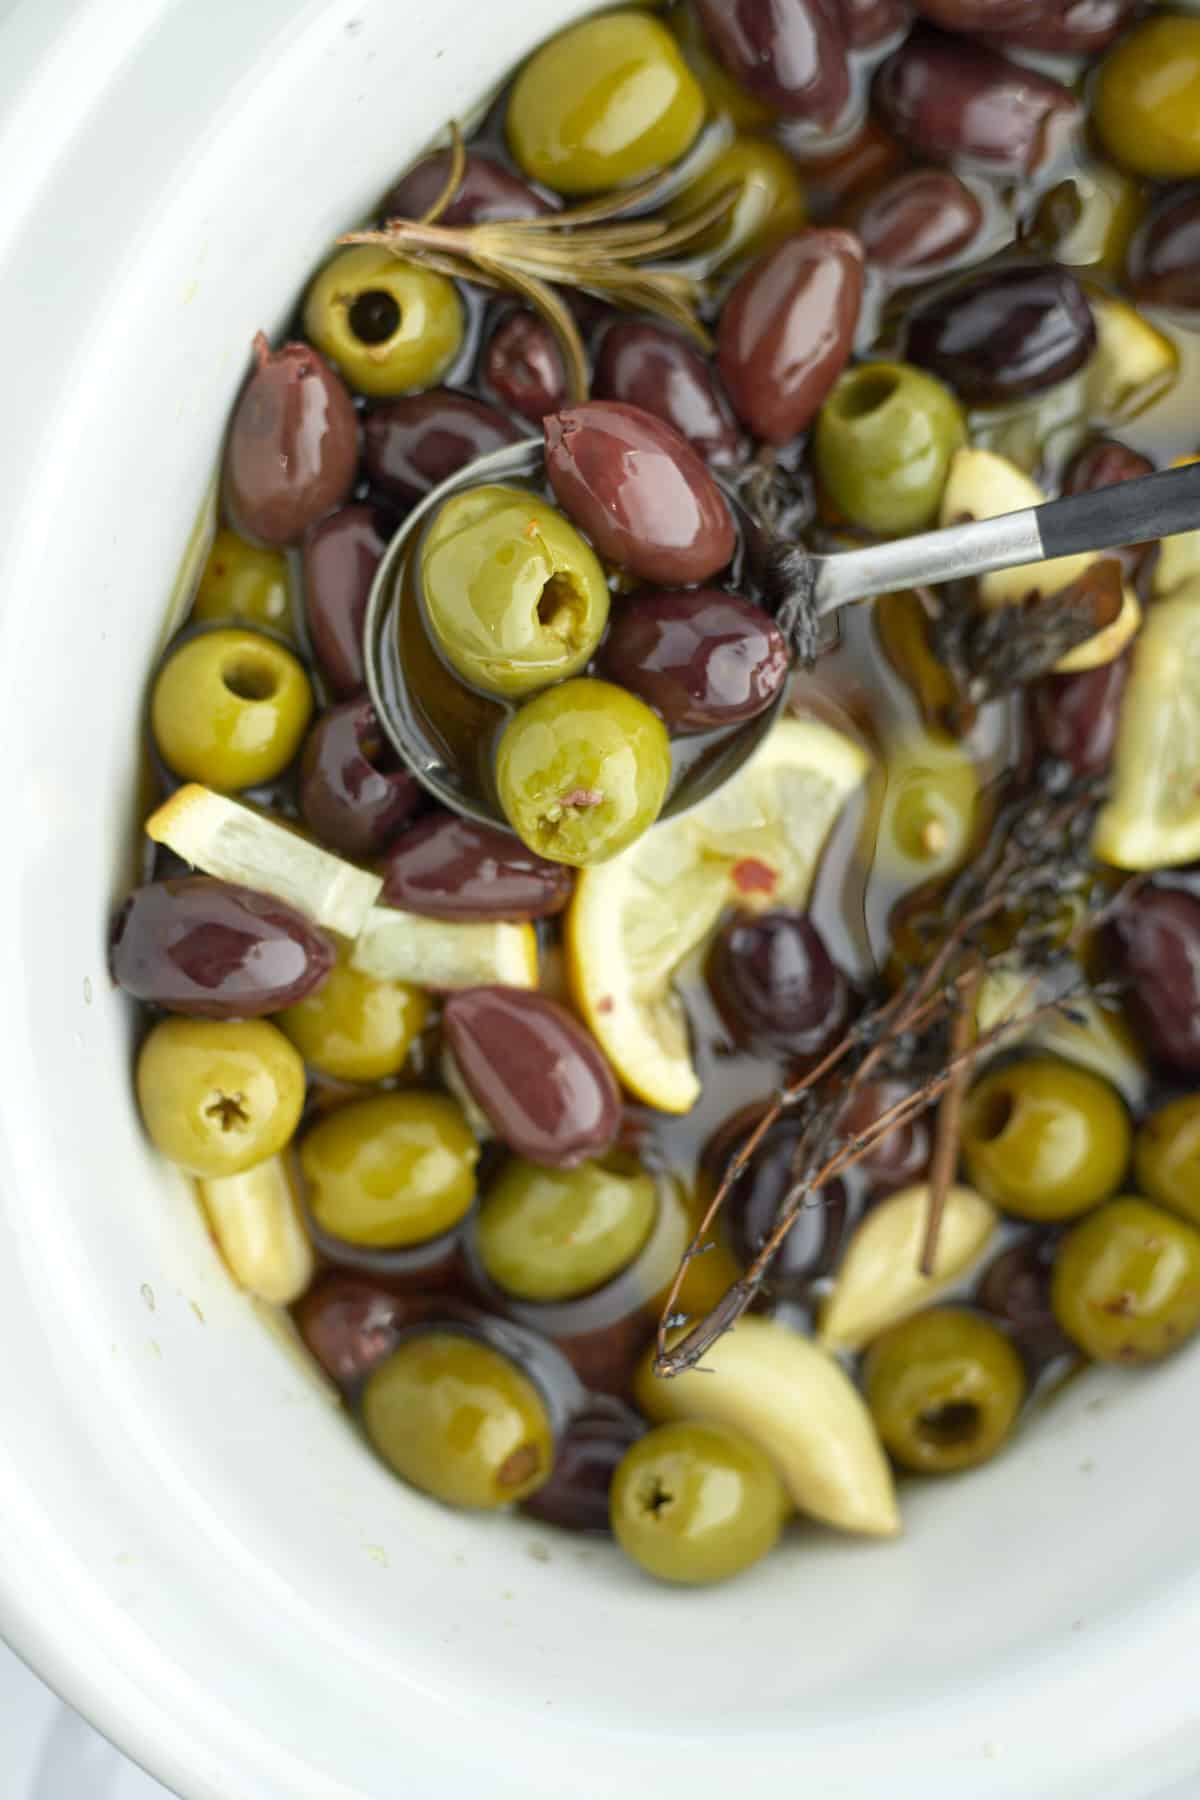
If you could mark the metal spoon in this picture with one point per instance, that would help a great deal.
(1132, 512)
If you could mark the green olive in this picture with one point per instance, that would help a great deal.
(696, 1503)
(246, 583)
(392, 1170)
(1166, 1156)
(1147, 98)
(1045, 1139)
(514, 597)
(883, 444)
(605, 103)
(925, 827)
(391, 327)
(230, 709)
(355, 1027)
(219, 1095)
(725, 98)
(944, 1389)
(553, 1234)
(1126, 1282)
(459, 1421)
(770, 203)
(582, 771)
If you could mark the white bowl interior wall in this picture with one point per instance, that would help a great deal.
(197, 1550)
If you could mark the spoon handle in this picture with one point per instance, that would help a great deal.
(1132, 512)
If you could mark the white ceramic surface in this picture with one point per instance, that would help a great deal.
(194, 1548)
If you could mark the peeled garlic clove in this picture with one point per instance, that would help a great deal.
(880, 1282)
(256, 1220)
(800, 1407)
(982, 485)
(1133, 361)
(1104, 645)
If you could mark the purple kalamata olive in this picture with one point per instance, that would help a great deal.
(902, 1155)
(702, 658)
(870, 22)
(1075, 716)
(1069, 27)
(775, 984)
(750, 1214)
(215, 950)
(969, 16)
(645, 365)
(787, 330)
(341, 555)
(576, 1495)
(1015, 1288)
(536, 1073)
(871, 156)
(1164, 257)
(790, 54)
(413, 444)
(350, 1322)
(353, 794)
(1154, 948)
(523, 367)
(487, 193)
(451, 868)
(918, 221)
(292, 451)
(1000, 334)
(640, 491)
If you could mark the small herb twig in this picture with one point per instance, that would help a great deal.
(945, 1143)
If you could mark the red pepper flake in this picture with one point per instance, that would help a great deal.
(606, 1004)
(582, 797)
(753, 877)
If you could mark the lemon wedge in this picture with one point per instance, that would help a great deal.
(1153, 815)
(445, 953)
(634, 920)
(1133, 363)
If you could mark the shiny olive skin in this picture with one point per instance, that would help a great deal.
(341, 555)
(458, 1420)
(787, 329)
(243, 584)
(392, 1170)
(349, 1323)
(950, 99)
(214, 950)
(869, 22)
(514, 597)
(640, 491)
(1164, 256)
(412, 445)
(944, 1389)
(445, 867)
(219, 1095)
(883, 444)
(1153, 949)
(391, 327)
(582, 771)
(536, 1073)
(647, 366)
(1000, 334)
(522, 366)
(789, 54)
(696, 1503)
(605, 103)
(700, 657)
(1069, 27)
(902, 1154)
(356, 1027)
(1075, 717)
(775, 984)
(1045, 1139)
(1146, 104)
(1166, 1156)
(292, 450)
(968, 16)
(1014, 1289)
(1126, 1283)
(917, 222)
(867, 161)
(814, 1239)
(576, 1496)
(556, 1234)
(770, 201)
(230, 709)
(353, 796)
(487, 194)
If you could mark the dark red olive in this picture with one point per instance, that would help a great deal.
(949, 99)
(918, 221)
(523, 367)
(488, 192)
(1069, 27)
(814, 1239)
(646, 365)
(1164, 257)
(341, 555)
(413, 444)
(858, 168)
(1002, 333)
(576, 1495)
(215, 950)
(292, 451)
(1103, 463)
(1075, 717)
(640, 491)
(535, 1071)
(701, 658)
(869, 22)
(790, 54)
(349, 1323)
(1015, 1288)
(968, 16)
(353, 793)
(902, 1154)
(451, 868)
(775, 984)
(1154, 949)
(787, 330)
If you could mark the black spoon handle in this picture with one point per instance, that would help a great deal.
(1131, 512)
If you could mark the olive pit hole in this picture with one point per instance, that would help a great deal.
(993, 1115)
(374, 316)
(867, 393)
(559, 606)
(249, 679)
(655, 1496)
(946, 1427)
